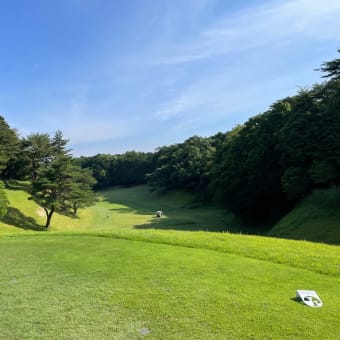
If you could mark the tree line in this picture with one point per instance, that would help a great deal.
(127, 169)
(258, 170)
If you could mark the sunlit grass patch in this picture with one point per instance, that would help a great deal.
(59, 286)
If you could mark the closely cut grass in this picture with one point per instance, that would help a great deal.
(84, 287)
(121, 208)
(136, 206)
(117, 272)
(317, 257)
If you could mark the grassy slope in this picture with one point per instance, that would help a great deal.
(317, 219)
(70, 283)
(126, 208)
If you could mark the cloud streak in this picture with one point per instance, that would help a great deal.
(242, 52)
(255, 27)
(161, 72)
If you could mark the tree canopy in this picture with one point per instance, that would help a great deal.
(9, 144)
(59, 184)
(331, 68)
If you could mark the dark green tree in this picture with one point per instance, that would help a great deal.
(58, 144)
(309, 141)
(331, 69)
(59, 184)
(9, 144)
(9, 147)
(101, 165)
(129, 168)
(295, 183)
(3, 201)
(81, 193)
(38, 151)
(185, 165)
(51, 186)
(246, 171)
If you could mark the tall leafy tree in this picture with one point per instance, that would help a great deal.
(58, 144)
(81, 193)
(62, 186)
(59, 184)
(9, 144)
(38, 151)
(52, 186)
(249, 175)
(129, 168)
(331, 68)
(101, 165)
(185, 165)
(309, 141)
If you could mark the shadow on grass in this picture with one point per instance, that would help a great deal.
(17, 219)
(174, 223)
(188, 215)
(129, 206)
(171, 223)
(297, 300)
(127, 211)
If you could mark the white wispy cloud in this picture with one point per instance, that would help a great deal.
(191, 68)
(220, 99)
(251, 35)
(258, 26)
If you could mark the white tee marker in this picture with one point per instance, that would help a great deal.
(309, 298)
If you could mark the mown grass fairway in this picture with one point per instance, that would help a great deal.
(120, 208)
(90, 287)
(127, 276)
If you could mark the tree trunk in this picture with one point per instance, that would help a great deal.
(34, 171)
(75, 209)
(48, 217)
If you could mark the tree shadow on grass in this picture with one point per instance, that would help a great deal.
(180, 224)
(127, 211)
(188, 215)
(146, 205)
(17, 219)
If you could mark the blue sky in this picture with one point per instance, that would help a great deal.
(138, 74)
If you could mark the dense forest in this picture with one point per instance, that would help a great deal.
(258, 170)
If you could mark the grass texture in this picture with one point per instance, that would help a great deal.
(117, 272)
(85, 287)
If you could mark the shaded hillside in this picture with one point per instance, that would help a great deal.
(317, 218)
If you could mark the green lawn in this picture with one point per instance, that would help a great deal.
(85, 287)
(133, 276)
(121, 208)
